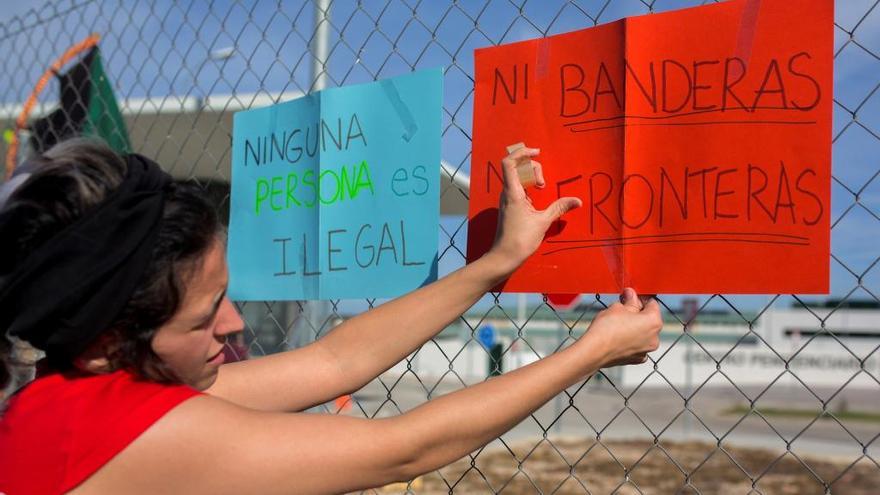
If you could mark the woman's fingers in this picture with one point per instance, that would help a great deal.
(646, 298)
(634, 359)
(638, 358)
(637, 302)
(512, 186)
(652, 309)
(538, 170)
(631, 300)
(560, 207)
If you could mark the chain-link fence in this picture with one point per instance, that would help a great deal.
(759, 394)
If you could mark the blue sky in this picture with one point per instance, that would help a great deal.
(159, 48)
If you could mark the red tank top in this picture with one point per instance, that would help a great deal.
(57, 431)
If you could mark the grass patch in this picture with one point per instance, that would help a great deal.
(807, 413)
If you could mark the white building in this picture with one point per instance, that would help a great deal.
(823, 346)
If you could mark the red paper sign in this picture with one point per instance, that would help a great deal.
(563, 302)
(699, 141)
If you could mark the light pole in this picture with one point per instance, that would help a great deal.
(222, 54)
(305, 320)
(320, 44)
(217, 55)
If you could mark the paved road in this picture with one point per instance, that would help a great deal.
(659, 411)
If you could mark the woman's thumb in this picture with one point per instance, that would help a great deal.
(561, 206)
(630, 299)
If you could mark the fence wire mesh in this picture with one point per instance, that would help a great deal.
(729, 404)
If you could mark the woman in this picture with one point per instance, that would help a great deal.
(119, 275)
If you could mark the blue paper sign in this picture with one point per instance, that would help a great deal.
(486, 336)
(336, 194)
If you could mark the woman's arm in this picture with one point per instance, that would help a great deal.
(365, 346)
(359, 349)
(449, 427)
(207, 445)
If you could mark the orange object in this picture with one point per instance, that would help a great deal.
(699, 141)
(21, 122)
(563, 302)
(343, 404)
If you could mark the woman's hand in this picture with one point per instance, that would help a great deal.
(626, 331)
(521, 227)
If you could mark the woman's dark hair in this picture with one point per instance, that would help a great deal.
(71, 179)
(5, 362)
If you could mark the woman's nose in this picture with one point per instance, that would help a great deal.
(228, 319)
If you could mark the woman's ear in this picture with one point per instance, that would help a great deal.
(96, 359)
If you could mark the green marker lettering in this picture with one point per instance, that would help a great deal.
(291, 178)
(276, 191)
(309, 181)
(364, 170)
(262, 193)
(322, 187)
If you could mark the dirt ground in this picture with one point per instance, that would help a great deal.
(640, 467)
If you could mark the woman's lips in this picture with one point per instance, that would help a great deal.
(217, 358)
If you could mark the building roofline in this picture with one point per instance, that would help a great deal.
(170, 104)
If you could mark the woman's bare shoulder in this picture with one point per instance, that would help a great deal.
(207, 444)
(152, 461)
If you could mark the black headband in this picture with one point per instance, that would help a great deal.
(71, 288)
